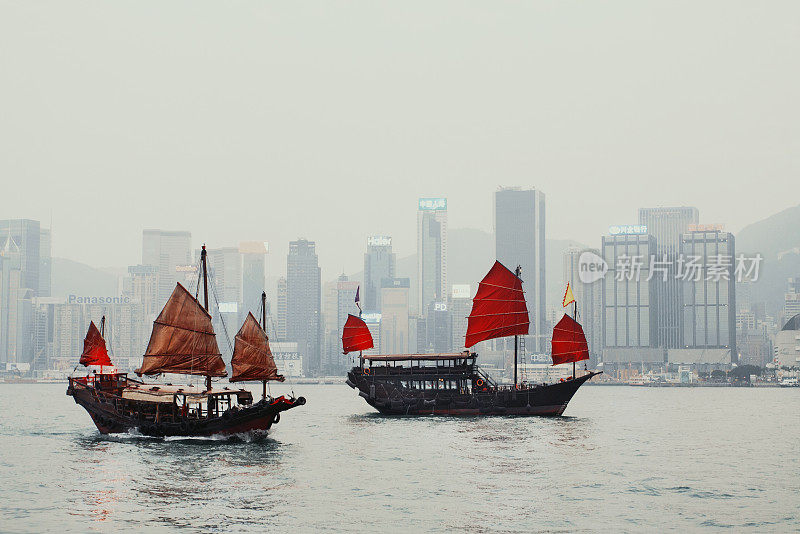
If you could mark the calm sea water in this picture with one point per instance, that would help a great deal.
(621, 458)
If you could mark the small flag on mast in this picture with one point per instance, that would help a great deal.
(569, 298)
(358, 298)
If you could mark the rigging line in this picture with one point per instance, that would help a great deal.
(219, 314)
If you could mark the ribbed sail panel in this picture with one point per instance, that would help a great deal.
(94, 348)
(183, 340)
(569, 342)
(498, 309)
(355, 335)
(252, 357)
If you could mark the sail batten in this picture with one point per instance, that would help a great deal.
(498, 309)
(569, 342)
(94, 348)
(252, 358)
(183, 340)
(356, 335)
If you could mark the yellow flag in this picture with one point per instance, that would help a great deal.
(569, 298)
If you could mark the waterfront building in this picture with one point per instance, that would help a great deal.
(379, 263)
(394, 330)
(667, 225)
(287, 358)
(708, 298)
(787, 344)
(304, 302)
(431, 252)
(171, 253)
(519, 231)
(629, 301)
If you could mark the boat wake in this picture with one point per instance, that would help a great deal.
(252, 436)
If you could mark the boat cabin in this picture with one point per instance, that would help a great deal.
(441, 371)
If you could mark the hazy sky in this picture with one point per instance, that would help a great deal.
(273, 120)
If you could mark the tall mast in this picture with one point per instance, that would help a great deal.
(205, 296)
(264, 310)
(518, 272)
(264, 326)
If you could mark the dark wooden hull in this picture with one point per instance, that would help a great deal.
(388, 398)
(102, 407)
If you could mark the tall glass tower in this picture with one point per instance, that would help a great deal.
(431, 252)
(519, 226)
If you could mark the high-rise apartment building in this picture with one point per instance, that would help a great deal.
(431, 252)
(519, 230)
(304, 302)
(141, 285)
(171, 252)
(379, 263)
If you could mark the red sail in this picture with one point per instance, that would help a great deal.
(498, 309)
(252, 357)
(183, 340)
(355, 335)
(94, 348)
(569, 343)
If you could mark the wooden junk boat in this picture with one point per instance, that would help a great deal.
(183, 342)
(453, 384)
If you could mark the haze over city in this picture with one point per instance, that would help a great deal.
(329, 121)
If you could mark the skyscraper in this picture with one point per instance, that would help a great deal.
(45, 263)
(708, 300)
(254, 274)
(431, 252)
(379, 263)
(171, 252)
(629, 306)
(282, 311)
(26, 235)
(304, 302)
(666, 225)
(20, 263)
(519, 230)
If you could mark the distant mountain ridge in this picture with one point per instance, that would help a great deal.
(777, 239)
(74, 278)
